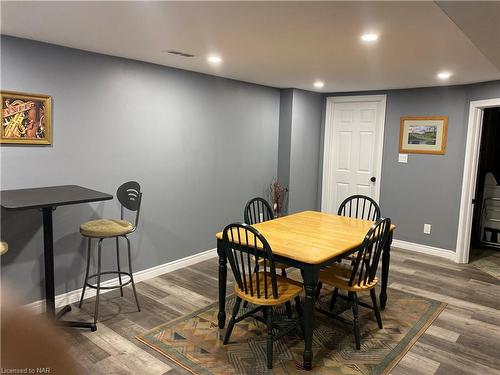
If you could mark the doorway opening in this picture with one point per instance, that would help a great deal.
(470, 173)
(485, 233)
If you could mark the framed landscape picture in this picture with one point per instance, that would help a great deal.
(26, 118)
(423, 135)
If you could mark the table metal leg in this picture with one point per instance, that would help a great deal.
(48, 250)
(222, 283)
(386, 260)
(48, 247)
(310, 275)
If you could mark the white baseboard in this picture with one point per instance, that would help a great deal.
(74, 296)
(429, 250)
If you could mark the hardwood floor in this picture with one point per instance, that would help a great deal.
(465, 339)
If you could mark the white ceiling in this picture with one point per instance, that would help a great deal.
(281, 44)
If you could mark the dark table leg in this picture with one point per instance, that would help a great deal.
(48, 250)
(386, 259)
(222, 283)
(48, 247)
(310, 275)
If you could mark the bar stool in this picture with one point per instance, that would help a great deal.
(129, 195)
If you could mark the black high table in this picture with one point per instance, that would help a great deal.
(47, 199)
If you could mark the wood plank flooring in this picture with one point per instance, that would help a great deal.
(465, 339)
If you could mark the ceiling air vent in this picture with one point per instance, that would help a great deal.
(183, 54)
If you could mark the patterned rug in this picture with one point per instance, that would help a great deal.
(195, 342)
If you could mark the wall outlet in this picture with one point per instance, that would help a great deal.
(403, 158)
(427, 228)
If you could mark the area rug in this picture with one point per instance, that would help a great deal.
(195, 342)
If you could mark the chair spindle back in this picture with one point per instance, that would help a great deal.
(258, 210)
(244, 247)
(365, 266)
(360, 207)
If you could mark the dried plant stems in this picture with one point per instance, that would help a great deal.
(278, 195)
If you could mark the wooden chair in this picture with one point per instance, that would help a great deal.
(258, 210)
(244, 247)
(360, 276)
(130, 196)
(358, 207)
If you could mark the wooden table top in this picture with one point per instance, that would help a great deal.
(51, 196)
(313, 237)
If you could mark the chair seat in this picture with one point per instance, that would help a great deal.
(106, 228)
(276, 264)
(338, 277)
(288, 289)
(352, 257)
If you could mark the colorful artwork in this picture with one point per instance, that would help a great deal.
(423, 135)
(26, 118)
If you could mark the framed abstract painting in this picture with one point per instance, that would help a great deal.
(26, 118)
(423, 135)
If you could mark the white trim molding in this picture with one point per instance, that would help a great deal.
(328, 152)
(424, 249)
(472, 147)
(74, 296)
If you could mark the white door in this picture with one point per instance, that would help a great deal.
(354, 128)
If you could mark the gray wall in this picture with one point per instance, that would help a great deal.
(199, 145)
(481, 91)
(285, 139)
(190, 139)
(299, 142)
(304, 158)
(428, 188)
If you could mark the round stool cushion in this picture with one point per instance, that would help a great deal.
(105, 228)
(4, 247)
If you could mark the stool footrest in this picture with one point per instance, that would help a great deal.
(122, 273)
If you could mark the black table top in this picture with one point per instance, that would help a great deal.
(50, 196)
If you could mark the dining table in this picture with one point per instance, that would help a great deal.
(47, 199)
(309, 241)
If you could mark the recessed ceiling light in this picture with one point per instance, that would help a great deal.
(444, 75)
(214, 59)
(369, 37)
(318, 84)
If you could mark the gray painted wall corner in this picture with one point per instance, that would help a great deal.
(284, 142)
(299, 143)
(305, 146)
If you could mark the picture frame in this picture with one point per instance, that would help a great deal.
(423, 135)
(26, 118)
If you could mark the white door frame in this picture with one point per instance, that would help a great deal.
(328, 143)
(474, 130)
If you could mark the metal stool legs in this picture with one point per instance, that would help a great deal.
(99, 273)
(86, 272)
(131, 274)
(96, 311)
(118, 264)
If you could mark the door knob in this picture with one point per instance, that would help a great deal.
(373, 179)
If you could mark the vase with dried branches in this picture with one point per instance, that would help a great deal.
(278, 196)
